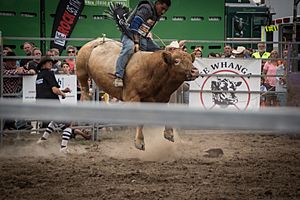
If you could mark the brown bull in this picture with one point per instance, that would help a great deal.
(149, 77)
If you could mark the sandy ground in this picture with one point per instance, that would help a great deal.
(255, 165)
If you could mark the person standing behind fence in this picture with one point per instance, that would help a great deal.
(65, 68)
(55, 52)
(227, 52)
(269, 70)
(47, 87)
(72, 51)
(198, 51)
(281, 82)
(261, 52)
(12, 85)
(239, 52)
(6, 50)
(55, 67)
(27, 47)
(32, 65)
(263, 91)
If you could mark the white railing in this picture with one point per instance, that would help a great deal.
(281, 119)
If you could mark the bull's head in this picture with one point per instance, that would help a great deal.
(181, 64)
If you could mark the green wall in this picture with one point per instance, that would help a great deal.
(19, 24)
(88, 27)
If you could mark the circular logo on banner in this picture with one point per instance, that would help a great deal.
(224, 91)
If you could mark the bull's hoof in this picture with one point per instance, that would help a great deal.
(139, 145)
(169, 137)
(168, 134)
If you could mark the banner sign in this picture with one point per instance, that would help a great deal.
(66, 16)
(229, 90)
(271, 28)
(70, 81)
(105, 3)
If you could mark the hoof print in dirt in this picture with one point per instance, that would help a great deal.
(214, 153)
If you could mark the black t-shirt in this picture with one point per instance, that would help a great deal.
(23, 62)
(45, 80)
(32, 65)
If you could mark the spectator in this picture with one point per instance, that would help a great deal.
(32, 65)
(12, 85)
(285, 53)
(72, 51)
(264, 90)
(51, 54)
(65, 68)
(281, 85)
(27, 47)
(182, 45)
(270, 68)
(248, 53)
(55, 53)
(239, 52)
(184, 48)
(6, 49)
(198, 51)
(261, 53)
(47, 88)
(212, 55)
(227, 52)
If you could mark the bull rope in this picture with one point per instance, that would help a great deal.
(159, 39)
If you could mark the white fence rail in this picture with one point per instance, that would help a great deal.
(280, 119)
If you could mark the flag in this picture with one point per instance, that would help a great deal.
(67, 14)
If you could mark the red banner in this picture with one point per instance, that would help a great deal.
(67, 14)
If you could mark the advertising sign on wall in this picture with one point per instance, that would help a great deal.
(67, 14)
(226, 84)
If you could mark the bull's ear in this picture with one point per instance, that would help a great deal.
(193, 57)
(167, 56)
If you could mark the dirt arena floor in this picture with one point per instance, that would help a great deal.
(255, 165)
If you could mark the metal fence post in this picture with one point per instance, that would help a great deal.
(294, 37)
(1, 87)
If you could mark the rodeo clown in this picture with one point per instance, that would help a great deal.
(135, 30)
(47, 87)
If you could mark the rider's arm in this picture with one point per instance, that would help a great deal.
(134, 26)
